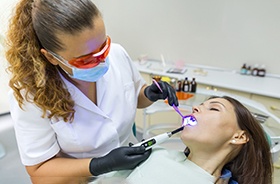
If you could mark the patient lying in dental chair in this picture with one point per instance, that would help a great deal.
(227, 145)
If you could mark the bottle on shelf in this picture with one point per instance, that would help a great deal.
(179, 86)
(261, 71)
(193, 85)
(255, 70)
(248, 72)
(243, 70)
(186, 85)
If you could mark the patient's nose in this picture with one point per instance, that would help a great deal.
(195, 109)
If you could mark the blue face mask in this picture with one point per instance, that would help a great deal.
(91, 74)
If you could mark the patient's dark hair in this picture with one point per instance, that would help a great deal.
(253, 164)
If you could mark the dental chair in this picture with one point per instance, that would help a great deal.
(269, 122)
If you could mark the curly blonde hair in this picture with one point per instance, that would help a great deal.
(35, 25)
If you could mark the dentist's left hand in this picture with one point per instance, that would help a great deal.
(153, 93)
(121, 158)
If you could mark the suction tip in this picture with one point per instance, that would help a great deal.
(189, 120)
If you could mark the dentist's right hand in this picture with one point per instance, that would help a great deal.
(121, 158)
(154, 93)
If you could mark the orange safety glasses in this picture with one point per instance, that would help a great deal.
(93, 59)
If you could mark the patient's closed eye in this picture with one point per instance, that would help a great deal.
(214, 109)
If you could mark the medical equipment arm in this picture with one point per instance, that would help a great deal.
(121, 158)
(153, 93)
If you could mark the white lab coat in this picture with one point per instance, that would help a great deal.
(96, 129)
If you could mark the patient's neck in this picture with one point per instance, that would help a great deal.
(211, 161)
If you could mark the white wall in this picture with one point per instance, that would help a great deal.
(4, 106)
(5, 11)
(223, 33)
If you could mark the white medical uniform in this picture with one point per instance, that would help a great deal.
(96, 129)
(164, 167)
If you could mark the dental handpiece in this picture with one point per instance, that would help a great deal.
(149, 143)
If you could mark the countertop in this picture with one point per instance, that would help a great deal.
(267, 86)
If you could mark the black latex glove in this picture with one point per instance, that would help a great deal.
(153, 93)
(121, 158)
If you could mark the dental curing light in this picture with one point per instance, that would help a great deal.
(149, 143)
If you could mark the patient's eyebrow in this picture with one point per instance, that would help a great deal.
(218, 103)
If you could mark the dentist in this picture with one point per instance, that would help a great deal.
(74, 93)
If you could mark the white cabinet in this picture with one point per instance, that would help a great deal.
(235, 92)
(147, 77)
(160, 117)
(272, 104)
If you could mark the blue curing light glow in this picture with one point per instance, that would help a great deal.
(189, 120)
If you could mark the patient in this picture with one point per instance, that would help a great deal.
(226, 146)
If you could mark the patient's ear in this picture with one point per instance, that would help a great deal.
(49, 57)
(239, 137)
